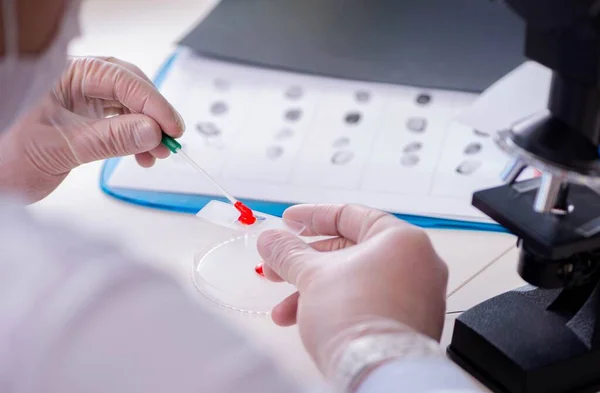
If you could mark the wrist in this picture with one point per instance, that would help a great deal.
(353, 384)
(362, 349)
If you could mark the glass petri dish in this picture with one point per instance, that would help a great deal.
(226, 275)
(225, 272)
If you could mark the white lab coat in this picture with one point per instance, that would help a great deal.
(77, 316)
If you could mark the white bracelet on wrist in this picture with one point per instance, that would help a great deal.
(364, 353)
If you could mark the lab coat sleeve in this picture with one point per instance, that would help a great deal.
(146, 336)
(433, 375)
(78, 315)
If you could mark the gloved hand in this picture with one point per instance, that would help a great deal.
(100, 108)
(376, 275)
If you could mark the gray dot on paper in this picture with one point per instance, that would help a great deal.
(294, 92)
(468, 167)
(423, 99)
(274, 152)
(221, 84)
(353, 118)
(481, 133)
(417, 124)
(219, 108)
(293, 115)
(342, 157)
(362, 96)
(284, 134)
(409, 160)
(473, 148)
(341, 142)
(208, 130)
(413, 147)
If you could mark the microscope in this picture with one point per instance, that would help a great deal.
(546, 338)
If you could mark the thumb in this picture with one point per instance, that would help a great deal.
(287, 255)
(116, 137)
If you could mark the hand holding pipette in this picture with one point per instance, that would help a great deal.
(246, 214)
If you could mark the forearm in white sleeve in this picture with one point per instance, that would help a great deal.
(145, 336)
(431, 375)
(78, 316)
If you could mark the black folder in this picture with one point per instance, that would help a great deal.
(461, 45)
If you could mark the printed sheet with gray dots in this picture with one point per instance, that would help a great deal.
(284, 137)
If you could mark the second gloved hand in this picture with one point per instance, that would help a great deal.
(100, 108)
(377, 275)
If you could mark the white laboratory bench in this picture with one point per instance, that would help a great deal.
(144, 32)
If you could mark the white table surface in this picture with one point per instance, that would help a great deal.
(144, 32)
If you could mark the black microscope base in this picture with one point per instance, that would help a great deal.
(513, 344)
(494, 385)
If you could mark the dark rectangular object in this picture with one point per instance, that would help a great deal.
(461, 45)
(513, 344)
(548, 235)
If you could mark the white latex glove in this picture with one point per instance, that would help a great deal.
(377, 275)
(76, 124)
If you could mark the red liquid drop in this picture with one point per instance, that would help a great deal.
(246, 216)
(259, 269)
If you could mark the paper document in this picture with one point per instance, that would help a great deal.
(518, 95)
(284, 137)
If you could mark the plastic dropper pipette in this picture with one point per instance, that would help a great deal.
(246, 215)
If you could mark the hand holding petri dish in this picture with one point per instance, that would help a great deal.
(227, 274)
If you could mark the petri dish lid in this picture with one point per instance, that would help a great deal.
(225, 272)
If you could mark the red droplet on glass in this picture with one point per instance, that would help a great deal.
(246, 216)
(259, 269)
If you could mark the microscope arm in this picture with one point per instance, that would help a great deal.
(554, 14)
(546, 339)
(563, 35)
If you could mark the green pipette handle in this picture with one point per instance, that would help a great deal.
(175, 147)
(171, 143)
